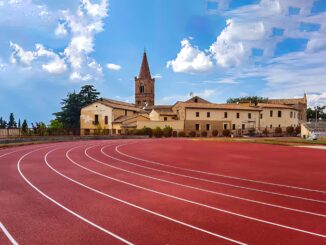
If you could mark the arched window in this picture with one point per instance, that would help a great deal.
(141, 88)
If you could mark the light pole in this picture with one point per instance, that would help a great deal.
(316, 108)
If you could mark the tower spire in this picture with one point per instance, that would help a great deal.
(144, 69)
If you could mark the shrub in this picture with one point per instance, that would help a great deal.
(204, 134)
(192, 134)
(278, 130)
(167, 131)
(181, 134)
(265, 131)
(215, 133)
(298, 129)
(226, 132)
(290, 130)
(157, 132)
(174, 134)
(148, 131)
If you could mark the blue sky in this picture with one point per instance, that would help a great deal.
(214, 48)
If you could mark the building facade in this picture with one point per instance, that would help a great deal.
(194, 115)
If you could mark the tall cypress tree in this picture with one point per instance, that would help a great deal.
(3, 123)
(12, 123)
(24, 126)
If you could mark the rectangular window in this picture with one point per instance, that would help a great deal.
(249, 115)
(106, 120)
(197, 114)
(271, 126)
(225, 126)
(238, 115)
(165, 118)
(243, 126)
(271, 113)
(208, 114)
(225, 115)
(233, 126)
(126, 112)
(279, 113)
(291, 114)
(96, 119)
(208, 127)
(294, 115)
(261, 116)
(197, 127)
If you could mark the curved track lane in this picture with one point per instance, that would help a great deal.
(129, 192)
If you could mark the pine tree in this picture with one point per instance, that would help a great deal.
(19, 124)
(69, 116)
(24, 126)
(12, 123)
(88, 94)
(3, 123)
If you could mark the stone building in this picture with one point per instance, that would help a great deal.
(195, 114)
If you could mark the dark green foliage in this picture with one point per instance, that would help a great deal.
(253, 99)
(157, 132)
(192, 134)
(3, 123)
(290, 130)
(265, 131)
(24, 127)
(69, 115)
(298, 129)
(167, 131)
(12, 123)
(181, 134)
(88, 94)
(226, 133)
(321, 113)
(215, 133)
(39, 128)
(278, 130)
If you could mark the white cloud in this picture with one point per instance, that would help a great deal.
(76, 76)
(190, 59)
(50, 61)
(83, 26)
(221, 81)
(317, 99)
(61, 30)
(113, 67)
(231, 46)
(19, 55)
(158, 76)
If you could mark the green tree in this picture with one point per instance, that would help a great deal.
(252, 99)
(69, 116)
(19, 124)
(12, 123)
(55, 123)
(24, 126)
(311, 113)
(3, 123)
(88, 94)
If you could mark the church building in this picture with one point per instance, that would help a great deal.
(194, 115)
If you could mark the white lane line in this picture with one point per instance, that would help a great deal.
(9, 236)
(64, 207)
(189, 201)
(214, 182)
(215, 174)
(201, 189)
(135, 206)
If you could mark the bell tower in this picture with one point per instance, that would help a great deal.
(144, 85)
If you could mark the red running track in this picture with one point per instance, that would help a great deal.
(162, 192)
